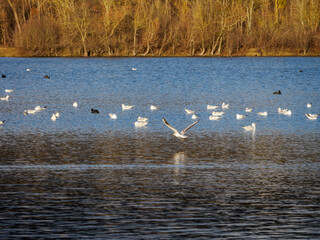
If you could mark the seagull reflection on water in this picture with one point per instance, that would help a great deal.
(178, 160)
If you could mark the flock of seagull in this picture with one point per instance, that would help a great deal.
(143, 121)
(215, 115)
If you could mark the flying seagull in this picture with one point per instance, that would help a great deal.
(179, 134)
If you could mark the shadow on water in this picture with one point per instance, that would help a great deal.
(154, 185)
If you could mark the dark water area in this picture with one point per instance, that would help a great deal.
(86, 176)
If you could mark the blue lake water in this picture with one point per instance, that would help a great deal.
(86, 176)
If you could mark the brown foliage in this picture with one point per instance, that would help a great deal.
(160, 27)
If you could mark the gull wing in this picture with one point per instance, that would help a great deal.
(169, 126)
(187, 128)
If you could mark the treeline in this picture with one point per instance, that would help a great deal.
(159, 27)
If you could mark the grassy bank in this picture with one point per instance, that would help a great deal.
(12, 52)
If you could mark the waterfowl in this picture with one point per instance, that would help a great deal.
(53, 117)
(6, 98)
(309, 105)
(240, 116)
(153, 107)
(75, 104)
(2, 122)
(194, 116)
(284, 111)
(28, 69)
(287, 112)
(189, 111)
(142, 119)
(278, 92)
(3, 76)
(38, 108)
(95, 111)
(126, 107)
(46, 76)
(214, 117)
(312, 116)
(217, 113)
(29, 111)
(57, 114)
(263, 113)
(8, 90)
(212, 107)
(140, 123)
(176, 132)
(248, 110)
(251, 127)
(112, 115)
(224, 105)
(134, 69)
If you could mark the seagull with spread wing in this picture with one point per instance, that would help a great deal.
(176, 132)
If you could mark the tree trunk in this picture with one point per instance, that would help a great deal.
(134, 42)
(163, 43)
(203, 51)
(220, 46)
(16, 18)
(192, 48)
(85, 52)
(148, 49)
(215, 44)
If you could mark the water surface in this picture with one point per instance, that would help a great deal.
(86, 176)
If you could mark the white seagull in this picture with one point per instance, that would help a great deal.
(287, 112)
(312, 116)
(309, 105)
(38, 108)
(248, 109)
(8, 90)
(153, 107)
(284, 111)
(251, 127)
(212, 107)
(6, 98)
(263, 113)
(140, 123)
(224, 105)
(240, 116)
(29, 111)
(214, 117)
(112, 115)
(194, 116)
(189, 111)
(53, 117)
(217, 113)
(176, 133)
(126, 107)
(2, 122)
(75, 104)
(142, 119)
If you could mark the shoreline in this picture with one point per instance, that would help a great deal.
(253, 52)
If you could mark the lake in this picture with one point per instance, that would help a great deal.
(86, 176)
